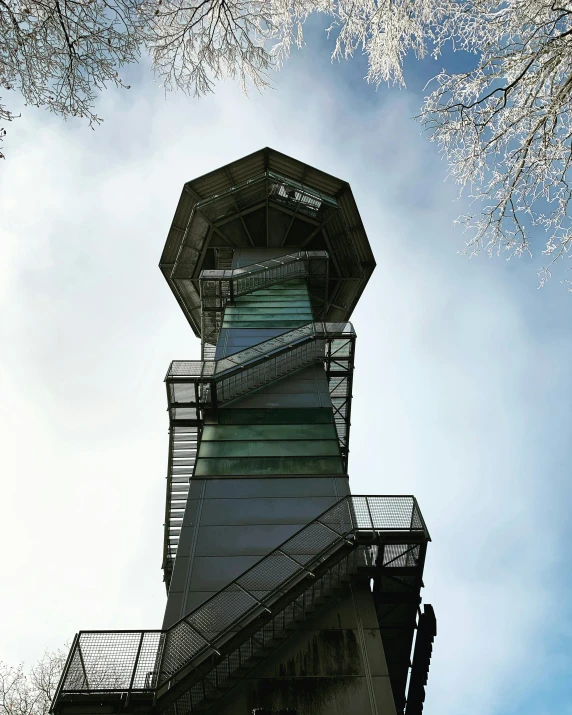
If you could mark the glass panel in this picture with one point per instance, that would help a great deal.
(276, 448)
(270, 301)
(256, 432)
(239, 315)
(315, 415)
(265, 310)
(258, 466)
(276, 323)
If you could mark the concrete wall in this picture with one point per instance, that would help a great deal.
(230, 524)
(333, 665)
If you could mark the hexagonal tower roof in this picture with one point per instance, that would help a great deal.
(267, 200)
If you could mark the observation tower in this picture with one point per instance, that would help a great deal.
(285, 593)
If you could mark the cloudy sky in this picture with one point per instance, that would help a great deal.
(468, 360)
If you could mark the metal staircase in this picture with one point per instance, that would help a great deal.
(426, 632)
(219, 288)
(228, 669)
(184, 437)
(190, 666)
(194, 386)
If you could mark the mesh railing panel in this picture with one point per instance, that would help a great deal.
(416, 518)
(263, 349)
(340, 518)
(314, 539)
(146, 669)
(270, 573)
(401, 555)
(76, 677)
(392, 514)
(113, 660)
(222, 611)
(182, 644)
(191, 368)
(360, 513)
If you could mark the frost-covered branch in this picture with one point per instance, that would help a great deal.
(505, 126)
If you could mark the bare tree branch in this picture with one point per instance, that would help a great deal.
(30, 693)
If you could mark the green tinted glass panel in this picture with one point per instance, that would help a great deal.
(264, 310)
(276, 448)
(259, 466)
(315, 415)
(290, 286)
(277, 289)
(256, 432)
(266, 323)
(275, 314)
(270, 302)
(282, 289)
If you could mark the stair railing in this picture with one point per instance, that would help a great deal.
(143, 661)
(219, 288)
(196, 385)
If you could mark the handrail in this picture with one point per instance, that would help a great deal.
(219, 368)
(298, 259)
(107, 661)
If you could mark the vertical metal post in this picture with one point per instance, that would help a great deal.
(197, 397)
(213, 395)
(369, 512)
(135, 666)
(327, 288)
(65, 671)
(202, 319)
(82, 665)
(165, 642)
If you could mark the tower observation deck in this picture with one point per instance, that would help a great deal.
(285, 592)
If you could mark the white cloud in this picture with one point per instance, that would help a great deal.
(457, 375)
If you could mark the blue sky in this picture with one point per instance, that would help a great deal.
(468, 360)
